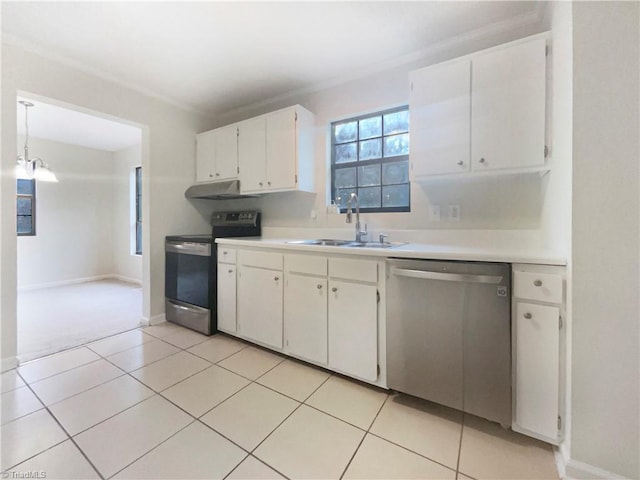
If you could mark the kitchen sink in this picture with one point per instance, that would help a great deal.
(327, 242)
(375, 244)
(330, 242)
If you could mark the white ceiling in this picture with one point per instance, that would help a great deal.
(219, 56)
(63, 125)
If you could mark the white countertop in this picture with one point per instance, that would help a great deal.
(412, 250)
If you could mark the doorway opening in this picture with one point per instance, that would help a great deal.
(79, 261)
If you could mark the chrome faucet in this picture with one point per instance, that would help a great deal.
(359, 233)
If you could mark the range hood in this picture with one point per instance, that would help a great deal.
(216, 191)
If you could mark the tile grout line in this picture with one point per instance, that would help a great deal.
(154, 447)
(363, 437)
(64, 430)
(62, 371)
(77, 347)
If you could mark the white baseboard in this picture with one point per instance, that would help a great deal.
(75, 281)
(8, 363)
(122, 278)
(63, 283)
(581, 470)
(154, 320)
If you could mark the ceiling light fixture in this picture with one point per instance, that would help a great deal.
(29, 168)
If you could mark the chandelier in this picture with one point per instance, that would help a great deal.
(32, 168)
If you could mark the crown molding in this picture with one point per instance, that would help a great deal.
(511, 25)
(39, 50)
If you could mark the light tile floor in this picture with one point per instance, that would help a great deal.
(165, 402)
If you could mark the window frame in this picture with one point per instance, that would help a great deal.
(32, 196)
(376, 161)
(138, 210)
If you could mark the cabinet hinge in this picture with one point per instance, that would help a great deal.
(238, 170)
(546, 50)
(296, 179)
(378, 370)
(237, 132)
(295, 116)
(546, 151)
(559, 422)
(560, 322)
(377, 296)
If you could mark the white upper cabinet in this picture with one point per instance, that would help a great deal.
(440, 103)
(276, 151)
(252, 154)
(217, 154)
(205, 157)
(483, 113)
(508, 107)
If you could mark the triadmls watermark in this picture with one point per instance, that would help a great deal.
(27, 474)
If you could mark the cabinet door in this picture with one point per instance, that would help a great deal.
(252, 155)
(305, 317)
(440, 108)
(205, 157)
(260, 305)
(353, 329)
(508, 107)
(226, 298)
(537, 368)
(281, 150)
(226, 148)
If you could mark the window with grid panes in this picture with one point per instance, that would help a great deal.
(26, 207)
(370, 156)
(138, 210)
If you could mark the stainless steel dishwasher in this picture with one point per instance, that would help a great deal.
(449, 334)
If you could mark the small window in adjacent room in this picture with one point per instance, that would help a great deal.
(138, 200)
(26, 210)
(370, 156)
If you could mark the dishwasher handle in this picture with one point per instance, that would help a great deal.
(447, 277)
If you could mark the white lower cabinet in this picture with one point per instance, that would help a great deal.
(226, 297)
(305, 317)
(538, 346)
(353, 329)
(260, 305)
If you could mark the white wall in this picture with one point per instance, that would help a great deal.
(605, 236)
(125, 263)
(73, 217)
(168, 160)
(497, 203)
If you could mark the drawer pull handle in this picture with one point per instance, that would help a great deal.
(482, 160)
(334, 289)
(461, 163)
(538, 283)
(276, 278)
(224, 253)
(528, 316)
(319, 287)
(230, 271)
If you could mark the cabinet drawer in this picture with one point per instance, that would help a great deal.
(253, 258)
(226, 255)
(359, 270)
(544, 287)
(308, 264)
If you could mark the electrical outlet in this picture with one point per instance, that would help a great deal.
(434, 213)
(454, 213)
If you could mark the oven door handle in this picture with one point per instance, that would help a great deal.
(189, 248)
(447, 277)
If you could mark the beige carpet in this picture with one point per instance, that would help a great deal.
(54, 319)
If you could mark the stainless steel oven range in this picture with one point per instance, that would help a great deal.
(191, 274)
